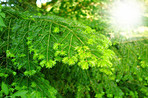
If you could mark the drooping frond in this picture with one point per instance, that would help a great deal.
(50, 39)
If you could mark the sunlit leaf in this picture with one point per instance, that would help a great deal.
(5, 88)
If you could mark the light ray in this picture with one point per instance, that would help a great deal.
(126, 13)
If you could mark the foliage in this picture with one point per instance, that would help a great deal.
(50, 56)
(2, 15)
(132, 67)
(77, 9)
(38, 42)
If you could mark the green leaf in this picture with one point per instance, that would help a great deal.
(50, 64)
(65, 60)
(3, 15)
(71, 61)
(62, 53)
(14, 73)
(42, 63)
(3, 75)
(56, 30)
(99, 95)
(20, 93)
(5, 88)
(41, 57)
(33, 84)
(55, 47)
(2, 22)
(110, 95)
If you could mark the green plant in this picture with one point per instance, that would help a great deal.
(2, 15)
(50, 56)
(34, 43)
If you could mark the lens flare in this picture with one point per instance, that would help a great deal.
(126, 13)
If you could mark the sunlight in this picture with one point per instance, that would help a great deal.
(40, 2)
(126, 13)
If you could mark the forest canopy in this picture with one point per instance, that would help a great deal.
(74, 48)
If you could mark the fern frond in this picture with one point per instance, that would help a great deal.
(73, 42)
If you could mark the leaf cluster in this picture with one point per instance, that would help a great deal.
(34, 44)
(50, 56)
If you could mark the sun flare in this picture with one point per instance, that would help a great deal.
(126, 13)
